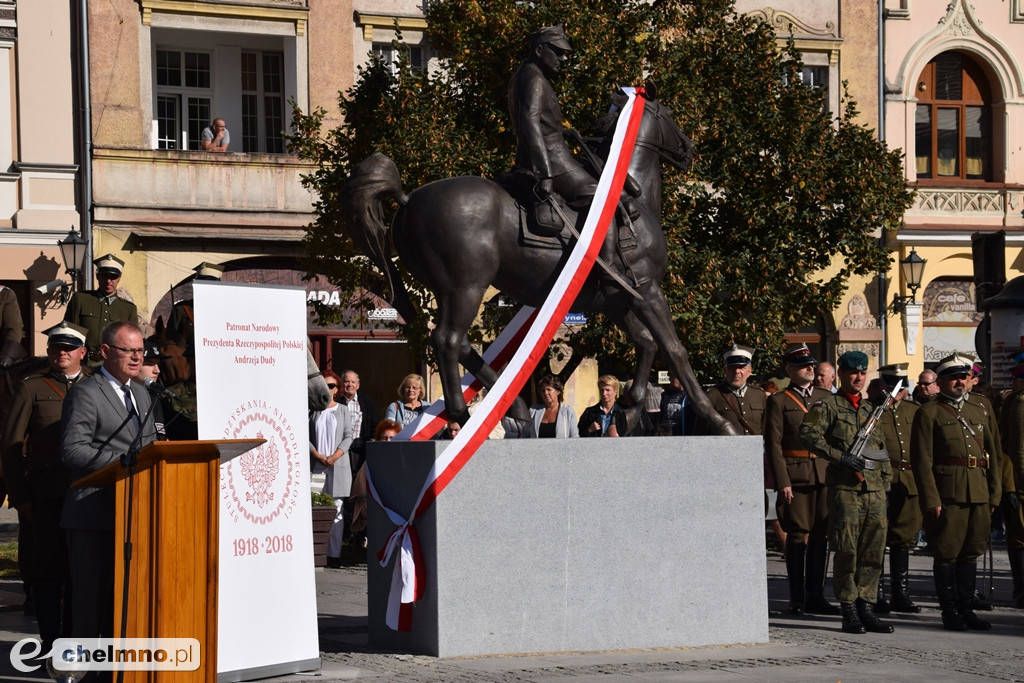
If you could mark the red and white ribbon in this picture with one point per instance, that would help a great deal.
(408, 579)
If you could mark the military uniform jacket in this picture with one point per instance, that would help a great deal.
(93, 313)
(896, 425)
(537, 121)
(1012, 433)
(750, 407)
(31, 438)
(938, 436)
(829, 428)
(783, 417)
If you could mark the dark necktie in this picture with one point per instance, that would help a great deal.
(130, 406)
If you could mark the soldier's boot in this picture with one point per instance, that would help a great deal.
(866, 612)
(795, 553)
(816, 602)
(899, 566)
(981, 602)
(945, 588)
(881, 604)
(47, 597)
(1017, 571)
(851, 621)
(966, 578)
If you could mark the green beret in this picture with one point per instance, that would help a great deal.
(853, 360)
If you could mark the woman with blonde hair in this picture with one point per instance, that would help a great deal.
(606, 418)
(410, 403)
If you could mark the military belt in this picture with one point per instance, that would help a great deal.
(900, 465)
(798, 454)
(969, 462)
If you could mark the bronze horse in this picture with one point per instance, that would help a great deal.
(460, 235)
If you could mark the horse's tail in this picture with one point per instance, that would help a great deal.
(371, 181)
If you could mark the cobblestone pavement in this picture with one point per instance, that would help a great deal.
(804, 649)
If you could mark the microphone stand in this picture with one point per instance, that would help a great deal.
(130, 462)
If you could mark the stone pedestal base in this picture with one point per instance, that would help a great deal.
(579, 544)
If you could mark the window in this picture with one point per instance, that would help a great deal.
(953, 121)
(815, 76)
(414, 53)
(262, 83)
(184, 91)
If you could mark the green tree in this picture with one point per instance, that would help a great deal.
(780, 188)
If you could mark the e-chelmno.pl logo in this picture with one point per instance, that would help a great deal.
(108, 654)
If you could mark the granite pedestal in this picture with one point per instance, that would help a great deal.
(579, 544)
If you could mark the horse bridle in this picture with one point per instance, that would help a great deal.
(659, 146)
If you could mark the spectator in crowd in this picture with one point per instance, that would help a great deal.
(825, 377)
(606, 418)
(410, 403)
(674, 408)
(552, 417)
(738, 402)
(364, 416)
(215, 138)
(12, 329)
(904, 508)
(927, 388)
(652, 403)
(104, 410)
(38, 480)
(331, 436)
(800, 482)
(856, 494)
(1012, 433)
(451, 430)
(386, 430)
(952, 449)
(97, 308)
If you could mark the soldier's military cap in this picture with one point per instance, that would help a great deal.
(553, 35)
(67, 334)
(738, 355)
(798, 354)
(208, 271)
(152, 351)
(108, 263)
(853, 360)
(954, 365)
(893, 373)
(977, 368)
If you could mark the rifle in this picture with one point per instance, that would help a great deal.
(859, 455)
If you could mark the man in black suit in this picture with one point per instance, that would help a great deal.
(101, 420)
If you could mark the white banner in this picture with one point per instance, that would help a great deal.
(250, 343)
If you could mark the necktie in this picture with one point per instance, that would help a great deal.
(130, 406)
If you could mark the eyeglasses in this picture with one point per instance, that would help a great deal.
(925, 384)
(128, 352)
(332, 386)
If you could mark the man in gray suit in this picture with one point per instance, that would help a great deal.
(101, 419)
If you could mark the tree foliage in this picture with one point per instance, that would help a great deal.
(780, 188)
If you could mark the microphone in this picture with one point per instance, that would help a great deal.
(158, 389)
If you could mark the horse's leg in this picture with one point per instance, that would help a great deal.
(474, 363)
(654, 313)
(455, 313)
(646, 348)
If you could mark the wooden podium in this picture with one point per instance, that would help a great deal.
(172, 589)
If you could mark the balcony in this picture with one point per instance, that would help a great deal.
(173, 192)
(995, 207)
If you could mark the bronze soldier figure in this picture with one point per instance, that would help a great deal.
(800, 481)
(856, 493)
(955, 459)
(97, 308)
(38, 480)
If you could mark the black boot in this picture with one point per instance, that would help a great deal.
(816, 602)
(966, 577)
(851, 622)
(47, 598)
(881, 605)
(866, 612)
(795, 553)
(945, 588)
(899, 566)
(1017, 571)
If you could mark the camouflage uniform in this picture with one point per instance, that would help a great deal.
(856, 508)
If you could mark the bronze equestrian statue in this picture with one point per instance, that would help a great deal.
(458, 236)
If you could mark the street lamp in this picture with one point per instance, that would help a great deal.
(913, 273)
(72, 250)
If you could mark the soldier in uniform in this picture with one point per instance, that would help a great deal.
(38, 480)
(734, 399)
(904, 511)
(856, 493)
(12, 330)
(954, 456)
(182, 321)
(800, 481)
(1012, 428)
(97, 308)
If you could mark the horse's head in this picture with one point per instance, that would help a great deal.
(660, 132)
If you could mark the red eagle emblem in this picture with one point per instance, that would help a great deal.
(259, 468)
